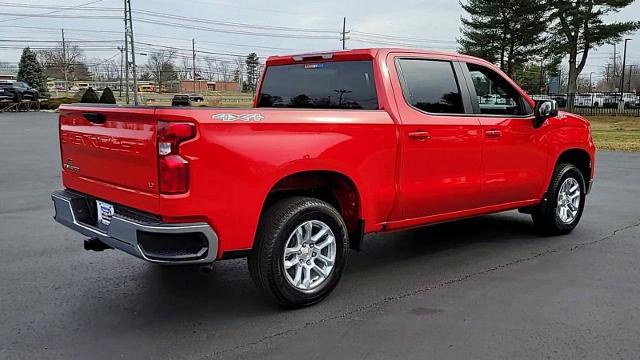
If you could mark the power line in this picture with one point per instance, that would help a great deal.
(237, 32)
(24, 16)
(401, 38)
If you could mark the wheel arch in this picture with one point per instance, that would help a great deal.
(580, 158)
(336, 188)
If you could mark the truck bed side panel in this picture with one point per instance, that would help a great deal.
(235, 163)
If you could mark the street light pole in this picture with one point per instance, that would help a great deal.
(624, 64)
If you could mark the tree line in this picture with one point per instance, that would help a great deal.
(36, 66)
(527, 37)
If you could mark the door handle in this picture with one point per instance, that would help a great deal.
(493, 134)
(419, 135)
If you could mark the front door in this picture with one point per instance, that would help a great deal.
(514, 159)
(440, 141)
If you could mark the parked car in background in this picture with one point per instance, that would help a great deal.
(196, 98)
(17, 91)
(590, 100)
(181, 100)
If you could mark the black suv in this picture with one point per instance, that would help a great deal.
(17, 91)
(181, 100)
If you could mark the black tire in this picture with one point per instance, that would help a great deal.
(545, 216)
(266, 261)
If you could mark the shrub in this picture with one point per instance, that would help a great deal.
(90, 97)
(53, 104)
(107, 97)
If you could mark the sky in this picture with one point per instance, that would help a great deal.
(430, 24)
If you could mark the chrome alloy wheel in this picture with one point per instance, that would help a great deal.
(568, 201)
(309, 255)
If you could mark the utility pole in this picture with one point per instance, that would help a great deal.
(126, 51)
(590, 82)
(121, 61)
(608, 67)
(630, 77)
(624, 65)
(344, 33)
(64, 63)
(133, 57)
(193, 53)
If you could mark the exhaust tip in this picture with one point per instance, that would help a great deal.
(206, 268)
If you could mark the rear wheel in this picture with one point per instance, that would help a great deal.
(561, 210)
(300, 251)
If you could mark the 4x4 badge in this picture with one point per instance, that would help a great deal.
(228, 117)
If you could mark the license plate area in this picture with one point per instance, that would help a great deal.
(105, 213)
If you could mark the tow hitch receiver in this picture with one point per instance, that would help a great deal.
(94, 244)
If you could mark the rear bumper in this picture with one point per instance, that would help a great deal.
(137, 234)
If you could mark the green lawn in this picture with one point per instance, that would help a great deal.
(616, 133)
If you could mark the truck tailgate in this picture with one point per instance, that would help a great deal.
(109, 146)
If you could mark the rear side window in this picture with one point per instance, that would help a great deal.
(329, 85)
(431, 86)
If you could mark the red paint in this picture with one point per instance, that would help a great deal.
(410, 168)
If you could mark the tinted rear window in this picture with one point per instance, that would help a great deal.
(330, 85)
(431, 86)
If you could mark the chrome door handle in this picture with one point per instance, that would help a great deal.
(419, 135)
(493, 134)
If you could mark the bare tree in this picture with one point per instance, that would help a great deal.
(239, 71)
(57, 62)
(160, 66)
(185, 72)
(211, 64)
(224, 71)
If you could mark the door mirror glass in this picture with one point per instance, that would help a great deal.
(545, 109)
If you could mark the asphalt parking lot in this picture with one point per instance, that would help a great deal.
(484, 288)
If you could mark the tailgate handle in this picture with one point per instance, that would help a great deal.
(95, 118)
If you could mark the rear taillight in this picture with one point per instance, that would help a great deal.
(173, 169)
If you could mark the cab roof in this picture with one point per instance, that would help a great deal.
(355, 54)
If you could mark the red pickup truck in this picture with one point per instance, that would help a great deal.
(338, 145)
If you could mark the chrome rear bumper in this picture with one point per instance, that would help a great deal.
(136, 235)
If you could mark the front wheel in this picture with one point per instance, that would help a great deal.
(561, 210)
(300, 251)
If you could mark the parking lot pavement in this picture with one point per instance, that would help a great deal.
(484, 288)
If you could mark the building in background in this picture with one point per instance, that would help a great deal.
(187, 86)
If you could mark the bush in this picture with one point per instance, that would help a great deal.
(90, 97)
(53, 104)
(107, 97)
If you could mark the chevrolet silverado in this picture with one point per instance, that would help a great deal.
(337, 145)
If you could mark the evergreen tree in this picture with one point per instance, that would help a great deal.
(107, 97)
(30, 71)
(252, 62)
(505, 32)
(579, 27)
(90, 97)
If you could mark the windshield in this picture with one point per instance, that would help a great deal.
(329, 85)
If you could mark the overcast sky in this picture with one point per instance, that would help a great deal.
(430, 24)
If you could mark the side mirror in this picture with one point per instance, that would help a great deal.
(543, 110)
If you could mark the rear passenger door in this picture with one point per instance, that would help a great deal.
(440, 139)
(514, 157)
